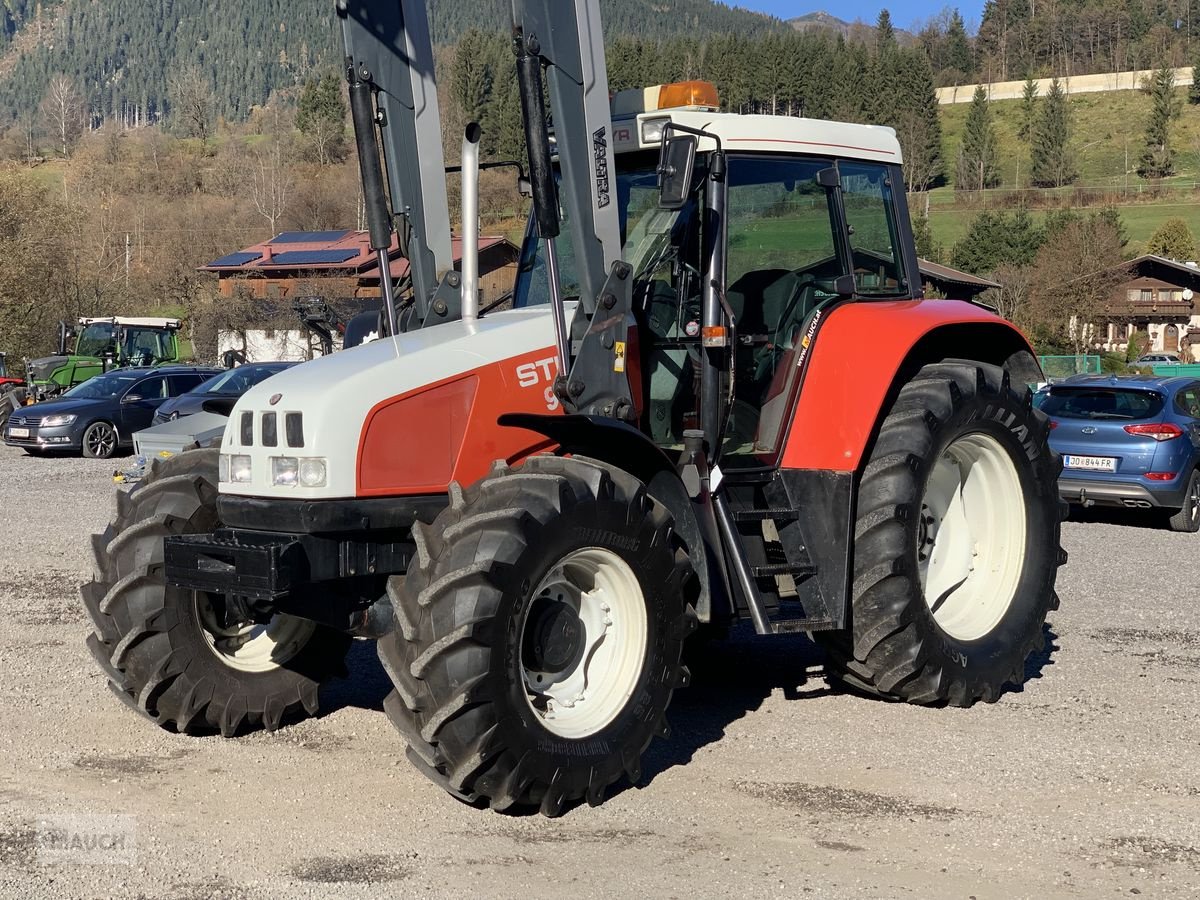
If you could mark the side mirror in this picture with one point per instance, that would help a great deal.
(845, 285)
(131, 398)
(676, 163)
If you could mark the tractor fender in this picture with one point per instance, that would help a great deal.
(864, 352)
(622, 446)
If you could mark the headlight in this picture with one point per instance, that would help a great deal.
(57, 421)
(284, 471)
(173, 416)
(652, 130)
(312, 472)
(233, 469)
(289, 471)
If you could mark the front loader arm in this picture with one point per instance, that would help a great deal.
(390, 42)
(599, 355)
(568, 38)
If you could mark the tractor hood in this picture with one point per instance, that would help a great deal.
(345, 404)
(42, 369)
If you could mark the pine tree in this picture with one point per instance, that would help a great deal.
(1028, 109)
(321, 117)
(1173, 240)
(472, 77)
(885, 34)
(923, 238)
(1157, 157)
(995, 238)
(956, 54)
(913, 112)
(977, 155)
(1051, 161)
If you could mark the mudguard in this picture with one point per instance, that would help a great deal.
(862, 353)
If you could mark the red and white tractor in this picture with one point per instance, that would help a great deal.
(720, 395)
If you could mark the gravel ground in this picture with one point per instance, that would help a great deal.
(1083, 783)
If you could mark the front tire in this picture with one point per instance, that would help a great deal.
(538, 635)
(1187, 518)
(956, 542)
(100, 440)
(170, 653)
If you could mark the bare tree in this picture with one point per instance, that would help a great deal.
(1073, 275)
(271, 183)
(1015, 284)
(193, 103)
(62, 112)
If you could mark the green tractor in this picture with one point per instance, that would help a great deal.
(101, 344)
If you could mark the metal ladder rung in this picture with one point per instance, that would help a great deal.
(762, 515)
(793, 626)
(772, 569)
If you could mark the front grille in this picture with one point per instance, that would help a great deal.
(293, 424)
(24, 421)
(269, 429)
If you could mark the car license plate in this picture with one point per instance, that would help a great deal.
(18, 432)
(1092, 463)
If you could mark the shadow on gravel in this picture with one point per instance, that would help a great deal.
(365, 688)
(1152, 519)
(1038, 661)
(731, 678)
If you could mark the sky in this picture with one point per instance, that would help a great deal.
(905, 13)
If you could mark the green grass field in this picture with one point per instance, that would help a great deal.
(1107, 138)
(1107, 129)
(1141, 220)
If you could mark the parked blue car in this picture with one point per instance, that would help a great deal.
(1131, 441)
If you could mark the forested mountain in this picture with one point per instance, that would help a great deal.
(121, 55)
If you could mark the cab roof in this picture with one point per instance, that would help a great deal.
(763, 134)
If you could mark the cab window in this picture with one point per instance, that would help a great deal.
(870, 217)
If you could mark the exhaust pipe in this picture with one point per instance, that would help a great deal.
(470, 222)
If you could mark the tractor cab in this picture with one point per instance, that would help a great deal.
(101, 344)
(788, 190)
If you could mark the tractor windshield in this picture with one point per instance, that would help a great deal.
(644, 229)
(95, 339)
(147, 345)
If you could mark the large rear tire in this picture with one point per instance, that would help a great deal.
(956, 542)
(171, 654)
(538, 635)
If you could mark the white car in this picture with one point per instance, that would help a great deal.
(1158, 359)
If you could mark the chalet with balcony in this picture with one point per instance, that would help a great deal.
(1158, 297)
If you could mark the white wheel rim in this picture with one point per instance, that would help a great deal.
(251, 646)
(971, 537)
(579, 690)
